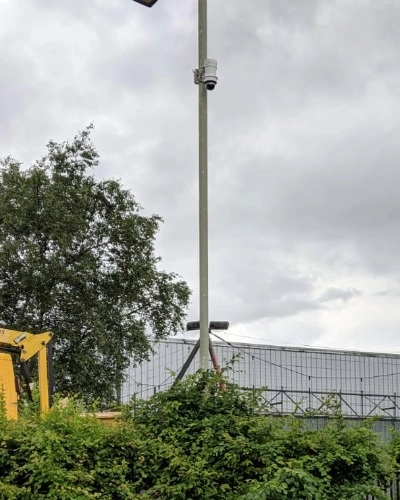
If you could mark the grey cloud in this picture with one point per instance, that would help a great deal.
(331, 294)
(252, 307)
(259, 288)
(388, 293)
(281, 178)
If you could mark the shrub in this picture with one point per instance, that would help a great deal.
(192, 442)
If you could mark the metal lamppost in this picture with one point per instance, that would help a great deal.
(195, 325)
(205, 77)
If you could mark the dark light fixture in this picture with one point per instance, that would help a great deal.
(214, 325)
(146, 3)
(219, 325)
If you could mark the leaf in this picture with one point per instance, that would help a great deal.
(77, 258)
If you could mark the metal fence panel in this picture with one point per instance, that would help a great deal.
(296, 379)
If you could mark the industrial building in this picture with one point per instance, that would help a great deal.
(294, 380)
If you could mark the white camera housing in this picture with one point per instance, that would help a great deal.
(209, 74)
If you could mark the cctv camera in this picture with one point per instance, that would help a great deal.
(210, 85)
(210, 78)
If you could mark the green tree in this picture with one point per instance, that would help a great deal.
(77, 258)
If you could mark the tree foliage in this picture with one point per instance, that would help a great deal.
(207, 443)
(192, 442)
(77, 258)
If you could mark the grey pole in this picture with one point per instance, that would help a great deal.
(203, 191)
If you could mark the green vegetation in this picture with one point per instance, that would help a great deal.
(194, 442)
(77, 258)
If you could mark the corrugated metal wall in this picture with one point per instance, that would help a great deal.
(300, 379)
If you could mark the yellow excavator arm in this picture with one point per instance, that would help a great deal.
(25, 345)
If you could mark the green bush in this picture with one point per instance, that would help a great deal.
(193, 442)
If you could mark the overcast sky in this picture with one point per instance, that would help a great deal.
(304, 146)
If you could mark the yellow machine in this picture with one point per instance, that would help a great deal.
(21, 347)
